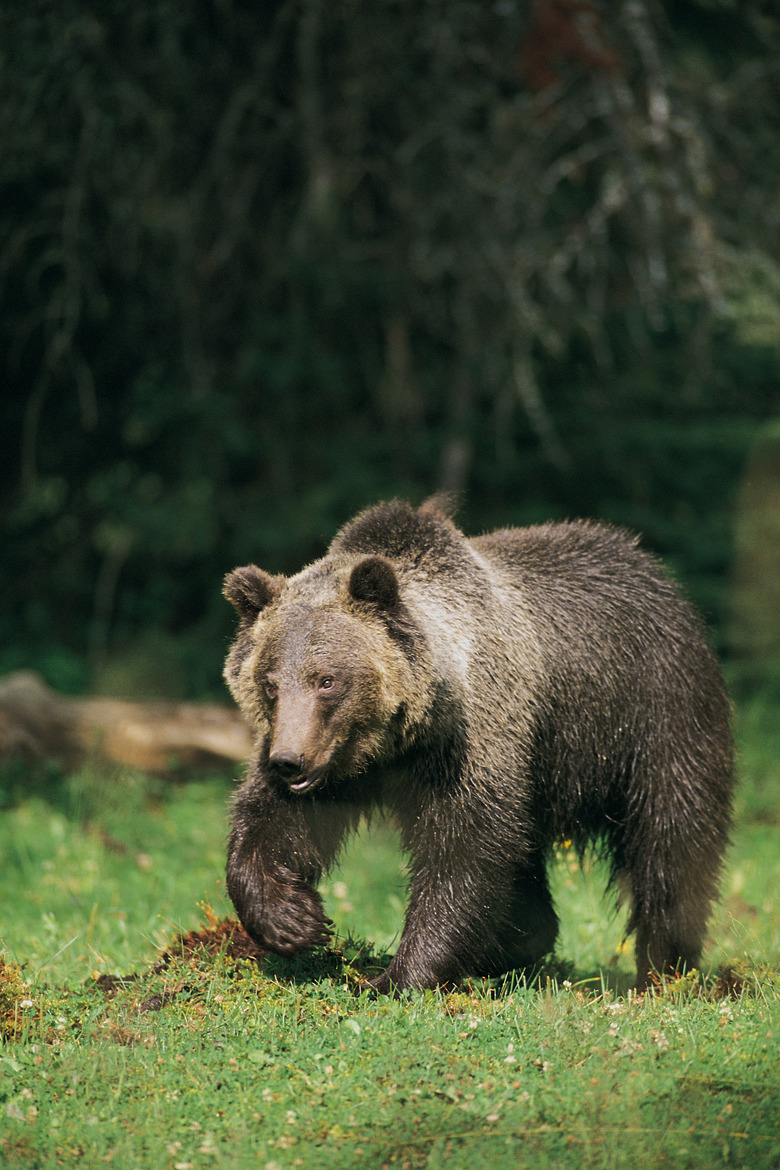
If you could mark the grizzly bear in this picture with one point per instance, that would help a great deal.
(495, 695)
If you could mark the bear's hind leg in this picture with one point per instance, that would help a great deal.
(669, 917)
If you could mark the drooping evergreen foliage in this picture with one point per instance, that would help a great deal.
(263, 264)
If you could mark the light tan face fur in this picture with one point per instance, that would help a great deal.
(320, 684)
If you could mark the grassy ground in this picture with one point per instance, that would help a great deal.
(206, 1058)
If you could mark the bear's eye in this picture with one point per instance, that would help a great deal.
(326, 683)
(271, 690)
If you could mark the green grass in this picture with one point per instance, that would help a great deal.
(206, 1060)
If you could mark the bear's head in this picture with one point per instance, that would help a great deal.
(319, 667)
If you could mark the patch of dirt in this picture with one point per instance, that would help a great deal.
(219, 937)
(223, 936)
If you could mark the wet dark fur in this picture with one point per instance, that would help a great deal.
(496, 695)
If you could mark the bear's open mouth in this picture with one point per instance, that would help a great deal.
(304, 783)
(300, 785)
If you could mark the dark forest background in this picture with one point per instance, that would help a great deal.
(264, 262)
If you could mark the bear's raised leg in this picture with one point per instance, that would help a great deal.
(278, 848)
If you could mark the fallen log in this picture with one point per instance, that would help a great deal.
(38, 724)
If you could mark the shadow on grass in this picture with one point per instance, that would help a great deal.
(353, 960)
(349, 963)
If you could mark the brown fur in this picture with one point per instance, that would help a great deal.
(495, 695)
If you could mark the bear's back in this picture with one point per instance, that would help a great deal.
(604, 611)
(564, 550)
(574, 565)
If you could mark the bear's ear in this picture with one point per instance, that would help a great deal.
(251, 589)
(373, 580)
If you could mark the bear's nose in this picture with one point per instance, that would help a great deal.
(288, 763)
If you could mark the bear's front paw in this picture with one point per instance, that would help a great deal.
(289, 917)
